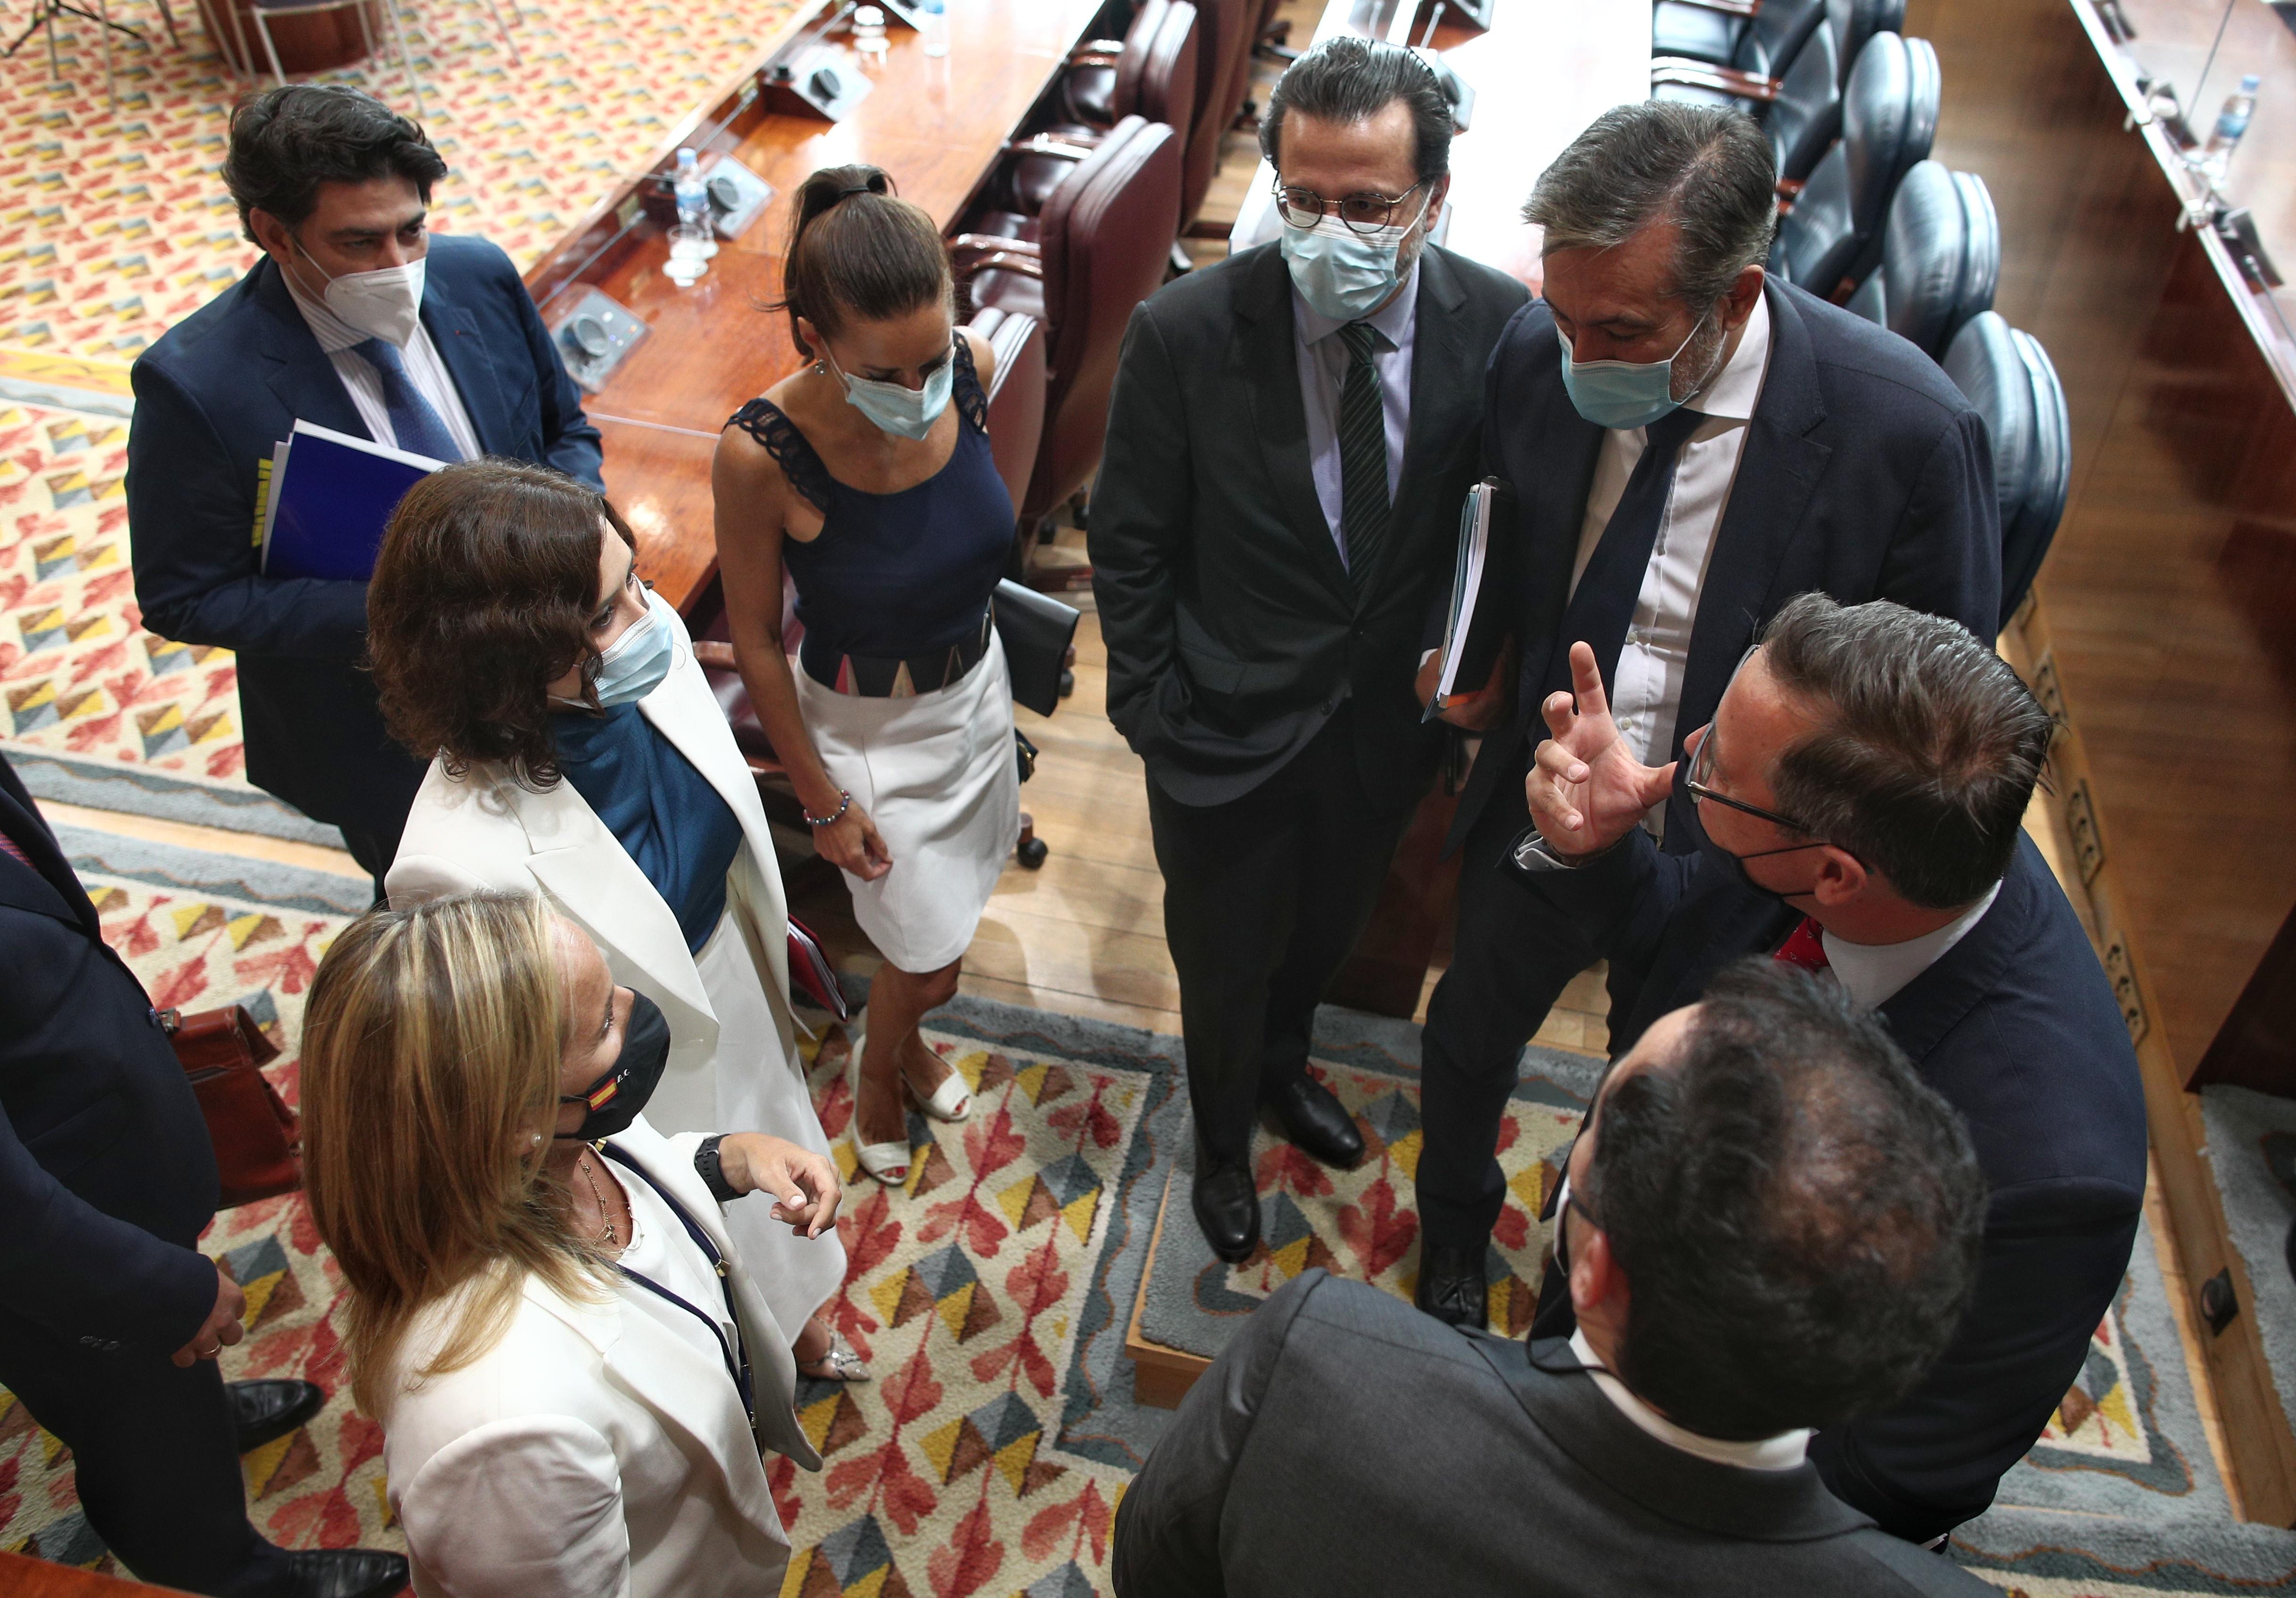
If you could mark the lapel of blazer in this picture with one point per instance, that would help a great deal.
(454, 334)
(773, 1368)
(1444, 400)
(1778, 473)
(688, 716)
(298, 372)
(586, 870)
(1263, 305)
(1550, 510)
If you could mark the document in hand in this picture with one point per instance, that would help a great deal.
(327, 500)
(1473, 634)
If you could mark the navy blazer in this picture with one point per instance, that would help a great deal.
(105, 1163)
(1233, 627)
(1865, 476)
(212, 398)
(2017, 1026)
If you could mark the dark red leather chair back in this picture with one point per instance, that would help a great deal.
(1016, 395)
(1223, 72)
(1107, 239)
(1166, 89)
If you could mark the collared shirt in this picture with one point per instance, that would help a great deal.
(1874, 973)
(1323, 359)
(428, 373)
(1782, 1452)
(1647, 692)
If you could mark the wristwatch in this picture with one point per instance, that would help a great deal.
(707, 1166)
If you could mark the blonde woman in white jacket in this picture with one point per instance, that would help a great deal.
(573, 1395)
(579, 755)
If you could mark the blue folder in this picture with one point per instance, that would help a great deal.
(329, 497)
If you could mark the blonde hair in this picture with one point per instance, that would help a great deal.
(431, 1045)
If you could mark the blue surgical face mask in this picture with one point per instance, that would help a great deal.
(1621, 393)
(634, 664)
(907, 412)
(1343, 274)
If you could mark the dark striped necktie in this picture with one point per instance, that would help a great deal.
(1363, 459)
(414, 421)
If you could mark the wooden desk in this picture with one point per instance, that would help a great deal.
(937, 125)
(2164, 623)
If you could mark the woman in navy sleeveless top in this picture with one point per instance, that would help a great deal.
(868, 477)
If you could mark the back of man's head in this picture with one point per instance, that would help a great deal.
(1796, 1214)
(1708, 172)
(286, 142)
(1928, 746)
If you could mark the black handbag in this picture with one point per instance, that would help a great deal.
(1036, 629)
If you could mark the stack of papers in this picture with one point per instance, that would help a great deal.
(1474, 633)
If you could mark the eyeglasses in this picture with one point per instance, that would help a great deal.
(1364, 213)
(1701, 770)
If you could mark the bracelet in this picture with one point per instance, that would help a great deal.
(844, 804)
(706, 1165)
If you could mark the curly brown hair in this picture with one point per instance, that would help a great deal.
(481, 596)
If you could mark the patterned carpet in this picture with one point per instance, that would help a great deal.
(989, 1454)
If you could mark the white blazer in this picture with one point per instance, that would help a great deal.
(484, 830)
(591, 1450)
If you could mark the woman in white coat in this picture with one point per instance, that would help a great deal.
(573, 1395)
(580, 753)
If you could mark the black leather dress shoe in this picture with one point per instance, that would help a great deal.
(1313, 1119)
(1228, 1208)
(1452, 1289)
(348, 1573)
(266, 1411)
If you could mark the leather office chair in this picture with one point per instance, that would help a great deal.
(1801, 112)
(1223, 77)
(1719, 32)
(1940, 257)
(1151, 75)
(2010, 379)
(1855, 23)
(1099, 246)
(1832, 238)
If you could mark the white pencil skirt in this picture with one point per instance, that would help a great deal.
(938, 774)
(759, 1090)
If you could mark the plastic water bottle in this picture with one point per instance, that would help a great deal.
(693, 202)
(933, 20)
(2231, 122)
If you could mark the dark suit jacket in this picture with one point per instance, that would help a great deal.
(2018, 1028)
(1344, 1443)
(212, 397)
(1233, 630)
(1865, 475)
(104, 1159)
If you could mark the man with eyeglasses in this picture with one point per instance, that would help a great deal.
(1290, 440)
(1690, 441)
(1855, 809)
(1343, 1443)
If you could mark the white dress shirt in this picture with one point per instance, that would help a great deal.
(341, 340)
(1323, 358)
(1874, 973)
(1647, 692)
(1782, 1452)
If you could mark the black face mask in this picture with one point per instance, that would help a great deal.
(615, 1099)
(1735, 864)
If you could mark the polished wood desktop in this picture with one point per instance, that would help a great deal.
(936, 124)
(2163, 625)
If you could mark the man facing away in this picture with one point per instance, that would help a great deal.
(358, 319)
(1772, 1228)
(1856, 804)
(1291, 437)
(1691, 443)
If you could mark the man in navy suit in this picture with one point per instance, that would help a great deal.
(1689, 444)
(110, 1332)
(357, 320)
(1855, 805)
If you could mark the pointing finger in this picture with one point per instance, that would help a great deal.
(1587, 681)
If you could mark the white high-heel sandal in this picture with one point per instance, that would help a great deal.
(951, 1101)
(888, 1163)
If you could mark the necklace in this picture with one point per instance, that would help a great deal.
(606, 1233)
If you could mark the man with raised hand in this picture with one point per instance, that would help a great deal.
(1858, 800)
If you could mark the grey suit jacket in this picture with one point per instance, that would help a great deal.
(1345, 1444)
